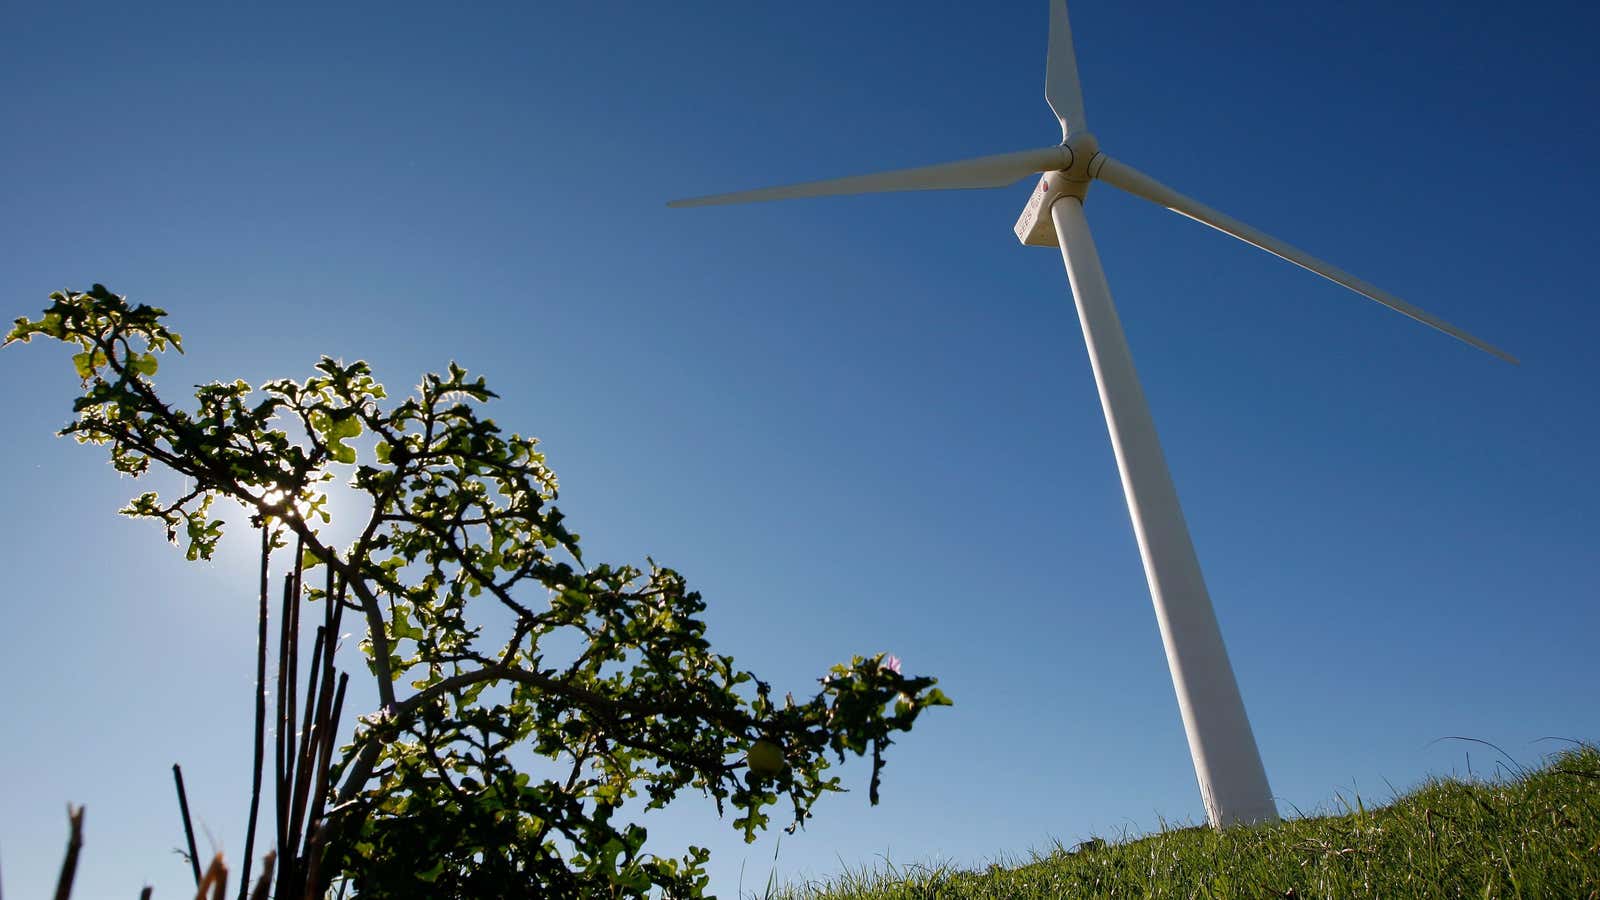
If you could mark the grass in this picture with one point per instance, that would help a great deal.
(1533, 833)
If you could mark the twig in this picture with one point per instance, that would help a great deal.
(188, 823)
(69, 865)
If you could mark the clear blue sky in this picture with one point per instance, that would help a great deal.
(856, 424)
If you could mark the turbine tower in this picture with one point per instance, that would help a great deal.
(1227, 764)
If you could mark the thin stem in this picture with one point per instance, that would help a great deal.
(311, 858)
(291, 664)
(188, 823)
(261, 716)
(283, 747)
(69, 865)
(302, 763)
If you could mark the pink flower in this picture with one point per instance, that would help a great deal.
(892, 663)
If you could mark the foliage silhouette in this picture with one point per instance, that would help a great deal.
(602, 686)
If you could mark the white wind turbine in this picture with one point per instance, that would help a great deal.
(1233, 783)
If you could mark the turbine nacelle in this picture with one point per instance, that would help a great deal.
(1035, 227)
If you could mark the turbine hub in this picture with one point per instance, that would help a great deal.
(1086, 159)
(1035, 227)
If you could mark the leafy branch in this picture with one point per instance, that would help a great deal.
(604, 674)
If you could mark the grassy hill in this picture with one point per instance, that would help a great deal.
(1532, 834)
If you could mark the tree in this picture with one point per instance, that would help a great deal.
(604, 672)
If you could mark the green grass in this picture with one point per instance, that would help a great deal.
(1532, 834)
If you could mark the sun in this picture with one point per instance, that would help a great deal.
(309, 504)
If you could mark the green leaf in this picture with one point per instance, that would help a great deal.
(336, 431)
(345, 426)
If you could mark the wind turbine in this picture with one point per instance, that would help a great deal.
(1227, 764)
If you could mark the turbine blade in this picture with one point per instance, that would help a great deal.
(1141, 185)
(983, 172)
(1061, 88)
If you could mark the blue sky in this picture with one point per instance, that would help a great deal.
(855, 424)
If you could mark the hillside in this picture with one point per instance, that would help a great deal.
(1533, 833)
